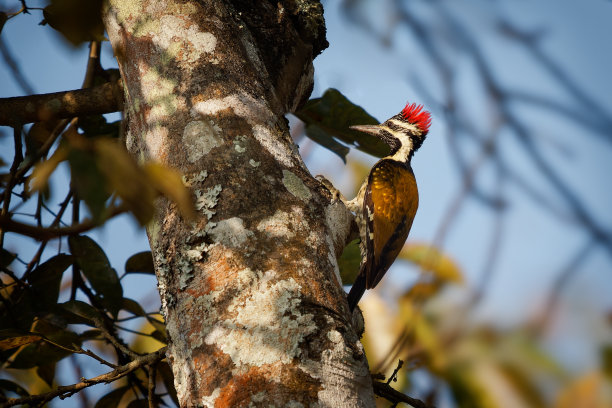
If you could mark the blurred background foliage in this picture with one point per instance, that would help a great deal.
(501, 295)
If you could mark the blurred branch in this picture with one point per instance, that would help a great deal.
(17, 159)
(105, 98)
(69, 390)
(14, 68)
(559, 284)
(582, 215)
(599, 124)
(45, 234)
(494, 246)
(151, 385)
(583, 101)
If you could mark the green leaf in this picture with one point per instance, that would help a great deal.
(140, 403)
(133, 307)
(168, 378)
(328, 120)
(606, 360)
(141, 262)
(95, 266)
(349, 262)
(91, 334)
(325, 138)
(113, 398)
(89, 181)
(96, 125)
(6, 257)
(22, 306)
(78, 21)
(6, 385)
(84, 313)
(47, 277)
(160, 336)
(467, 391)
(3, 18)
(46, 373)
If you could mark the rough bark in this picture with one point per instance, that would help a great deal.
(253, 302)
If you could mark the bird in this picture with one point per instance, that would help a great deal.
(388, 199)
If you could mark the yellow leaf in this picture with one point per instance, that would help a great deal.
(39, 133)
(588, 391)
(13, 340)
(126, 178)
(169, 182)
(432, 260)
(423, 290)
(43, 170)
(425, 335)
(143, 344)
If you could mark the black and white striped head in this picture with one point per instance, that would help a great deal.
(404, 132)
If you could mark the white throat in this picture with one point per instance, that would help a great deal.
(406, 146)
(404, 151)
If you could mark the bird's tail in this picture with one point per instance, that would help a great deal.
(357, 291)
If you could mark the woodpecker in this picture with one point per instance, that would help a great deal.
(387, 201)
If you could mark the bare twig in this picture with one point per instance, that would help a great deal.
(44, 149)
(14, 67)
(151, 386)
(6, 199)
(45, 234)
(36, 258)
(116, 343)
(559, 284)
(93, 64)
(69, 390)
(387, 392)
(494, 246)
(393, 376)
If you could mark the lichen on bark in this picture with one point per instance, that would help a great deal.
(254, 309)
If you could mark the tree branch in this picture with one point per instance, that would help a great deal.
(45, 234)
(105, 98)
(69, 390)
(384, 390)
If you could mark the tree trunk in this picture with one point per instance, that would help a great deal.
(250, 291)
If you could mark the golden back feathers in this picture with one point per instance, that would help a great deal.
(391, 202)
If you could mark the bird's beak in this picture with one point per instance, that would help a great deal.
(371, 129)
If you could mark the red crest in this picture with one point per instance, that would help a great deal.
(415, 114)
